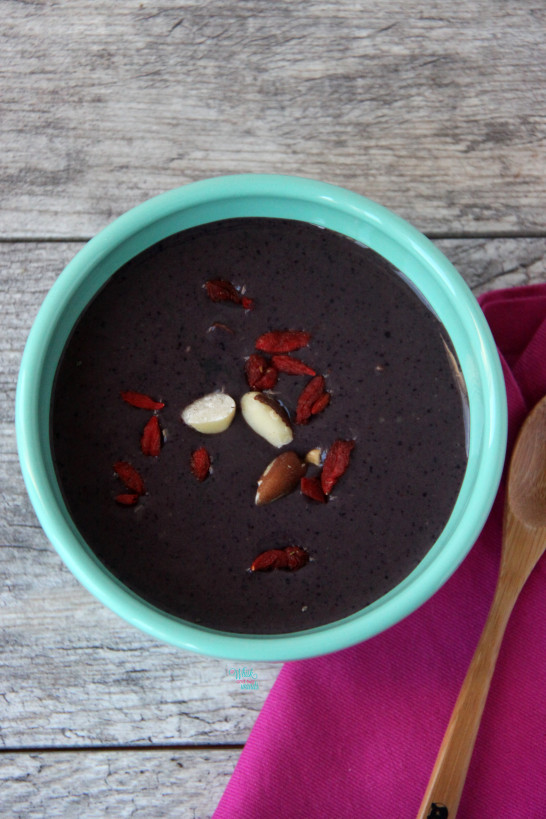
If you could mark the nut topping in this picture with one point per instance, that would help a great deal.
(267, 418)
(210, 414)
(281, 477)
(314, 456)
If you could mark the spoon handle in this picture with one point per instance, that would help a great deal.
(443, 794)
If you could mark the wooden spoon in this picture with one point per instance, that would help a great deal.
(524, 542)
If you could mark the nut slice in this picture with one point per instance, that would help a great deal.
(210, 414)
(267, 418)
(314, 456)
(281, 477)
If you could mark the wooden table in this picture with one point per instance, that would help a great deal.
(434, 109)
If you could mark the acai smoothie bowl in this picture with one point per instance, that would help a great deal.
(261, 417)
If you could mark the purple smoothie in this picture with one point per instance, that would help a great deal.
(187, 546)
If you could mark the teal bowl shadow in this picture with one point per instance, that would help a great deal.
(425, 268)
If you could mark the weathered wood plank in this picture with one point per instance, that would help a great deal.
(489, 264)
(72, 674)
(187, 784)
(435, 110)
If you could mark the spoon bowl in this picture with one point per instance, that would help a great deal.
(524, 543)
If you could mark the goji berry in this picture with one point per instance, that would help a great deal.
(130, 477)
(296, 557)
(272, 559)
(140, 400)
(259, 373)
(321, 403)
(150, 441)
(126, 499)
(335, 464)
(282, 341)
(291, 558)
(219, 325)
(311, 393)
(313, 489)
(268, 379)
(292, 366)
(255, 366)
(200, 463)
(222, 290)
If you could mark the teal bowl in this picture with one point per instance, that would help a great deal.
(320, 204)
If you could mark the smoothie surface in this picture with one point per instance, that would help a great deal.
(186, 546)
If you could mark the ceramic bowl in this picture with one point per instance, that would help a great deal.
(320, 204)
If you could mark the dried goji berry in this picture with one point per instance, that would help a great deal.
(296, 557)
(321, 403)
(291, 558)
(127, 499)
(268, 379)
(222, 290)
(292, 366)
(259, 373)
(311, 393)
(200, 463)
(272, 559)
(335, 464)
(150, 441)
(219, 325)
(138, 399)
(282, 341)
(313, 489)
(255, 366)
(130, 477)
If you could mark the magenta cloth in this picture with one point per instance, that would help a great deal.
(355, 734)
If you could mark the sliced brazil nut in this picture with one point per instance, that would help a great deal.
(267, 418)
(281, 477)
(210, 414)
(314, 456)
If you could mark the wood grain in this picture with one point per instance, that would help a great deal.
(160, 783)
(435, 110)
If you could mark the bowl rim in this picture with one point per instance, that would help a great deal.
(394, 238)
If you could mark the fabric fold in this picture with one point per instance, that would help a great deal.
(355, 734)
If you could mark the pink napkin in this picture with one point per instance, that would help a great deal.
(355, 734)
